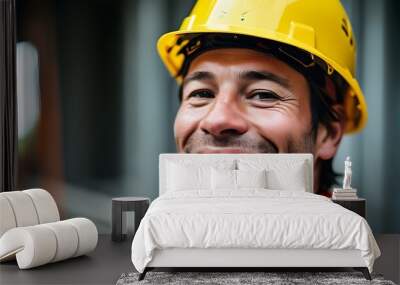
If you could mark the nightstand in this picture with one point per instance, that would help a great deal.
(355, 205)
(139, 205)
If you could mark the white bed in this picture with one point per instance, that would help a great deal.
(205, 226)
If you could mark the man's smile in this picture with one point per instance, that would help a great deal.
(211, 149)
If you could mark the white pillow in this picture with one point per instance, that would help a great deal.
(187, 177)
(223, 179)
(191, 174)
(288, 179)
(282, 174)
(235, 179)
(251, 178)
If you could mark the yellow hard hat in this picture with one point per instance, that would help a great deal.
(321, 28)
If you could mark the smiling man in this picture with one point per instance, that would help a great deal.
(266, 76)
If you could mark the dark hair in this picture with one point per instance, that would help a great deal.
(322, 113)
(315, 72)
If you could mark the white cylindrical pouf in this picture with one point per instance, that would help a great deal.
(45, 205)
(67, 239)
(23, 208)
(34, 245)
(40, 244)
(7, 218)
(87, 234)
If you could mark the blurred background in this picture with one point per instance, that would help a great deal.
(96, 106)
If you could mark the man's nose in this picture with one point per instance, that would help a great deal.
(224, 118)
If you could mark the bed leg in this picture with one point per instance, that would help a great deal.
(364, 271)
(143, 274)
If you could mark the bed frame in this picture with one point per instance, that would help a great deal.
(249, 258)
(262, 259)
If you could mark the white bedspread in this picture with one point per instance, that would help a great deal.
(250, 219)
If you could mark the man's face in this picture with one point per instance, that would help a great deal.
(243, 101)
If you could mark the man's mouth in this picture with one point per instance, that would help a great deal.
(221, 150)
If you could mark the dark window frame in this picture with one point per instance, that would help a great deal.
(8, 97)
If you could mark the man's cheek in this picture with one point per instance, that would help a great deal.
(186, 122)
(277, 128)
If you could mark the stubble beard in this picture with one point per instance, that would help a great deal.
(199, 141)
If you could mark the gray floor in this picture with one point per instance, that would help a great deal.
(110, 260)
(389, 262)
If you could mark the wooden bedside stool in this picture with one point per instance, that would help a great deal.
(139, 205)
(357, 205)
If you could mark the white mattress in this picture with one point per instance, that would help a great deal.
(250, 218)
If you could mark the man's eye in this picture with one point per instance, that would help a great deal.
(264, 96)
(202, 94)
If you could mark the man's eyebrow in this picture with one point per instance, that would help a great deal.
(198, 75)
(265, 75)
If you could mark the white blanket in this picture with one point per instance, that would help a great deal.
(250, 218)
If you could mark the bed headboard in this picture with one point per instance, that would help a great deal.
(213, 158)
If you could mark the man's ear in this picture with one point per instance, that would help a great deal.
(328, 138)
